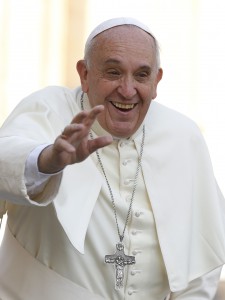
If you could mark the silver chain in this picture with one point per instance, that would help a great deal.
(121, 236)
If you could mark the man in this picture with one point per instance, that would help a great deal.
(110, 195)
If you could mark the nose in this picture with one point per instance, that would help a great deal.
(127, 87)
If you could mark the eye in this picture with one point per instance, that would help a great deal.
(142, 76)
(112, 74)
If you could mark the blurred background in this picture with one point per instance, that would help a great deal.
(41, 41)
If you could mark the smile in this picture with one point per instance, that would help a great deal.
(124, 106)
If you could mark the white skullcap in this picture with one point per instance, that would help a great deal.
(113, 23)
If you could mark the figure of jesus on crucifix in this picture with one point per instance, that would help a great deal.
(120, 260)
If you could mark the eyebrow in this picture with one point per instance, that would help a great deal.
(117, 62)
(112, 61)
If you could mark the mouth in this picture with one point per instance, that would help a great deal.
(124, 106)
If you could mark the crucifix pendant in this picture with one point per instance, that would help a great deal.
(120, 260)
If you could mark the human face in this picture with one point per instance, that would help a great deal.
(122, 75)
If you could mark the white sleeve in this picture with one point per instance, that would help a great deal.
(202, 288)
(35, 181)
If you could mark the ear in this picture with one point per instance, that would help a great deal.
(157, 80)
(82, 71)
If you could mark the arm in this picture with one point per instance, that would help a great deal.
(37, 120)
(35, 181)
(72, 146)
(202, 288)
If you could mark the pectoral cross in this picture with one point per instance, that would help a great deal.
(120, 260)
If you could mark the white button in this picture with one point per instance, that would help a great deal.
(134, 272)
(136, 251)
(128, 198)
(138, 214)
(135, 232)
(130, 292)
(125, 162)
(122, 144)
(127, 181)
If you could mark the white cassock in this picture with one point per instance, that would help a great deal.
(56, 241)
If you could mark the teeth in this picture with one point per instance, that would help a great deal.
(123, 106)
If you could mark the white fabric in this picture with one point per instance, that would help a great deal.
(176, 169)
(141, 232)
(40, 282)
(37, 282)
(201, 288)
(35, 181)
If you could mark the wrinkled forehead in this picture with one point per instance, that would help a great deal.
(115, 23)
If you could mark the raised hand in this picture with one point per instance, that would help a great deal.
(73, 145)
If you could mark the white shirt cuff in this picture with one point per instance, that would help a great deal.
(35, 181)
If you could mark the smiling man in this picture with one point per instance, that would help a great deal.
(109, 194)
(121, 76)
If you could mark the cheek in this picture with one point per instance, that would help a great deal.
(102, 90)
(149, 92)
(147, 97)
(145, 108)
(91, 82)
(96, 94)
(154, 93)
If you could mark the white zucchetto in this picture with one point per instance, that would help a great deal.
(114, 23)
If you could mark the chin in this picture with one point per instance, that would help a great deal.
(121, 130)
(122, 134)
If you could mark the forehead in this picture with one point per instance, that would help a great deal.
(123, 30)
(126, 39)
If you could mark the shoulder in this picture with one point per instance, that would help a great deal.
(168, 127)
(169, 120)
(51, 94)
(53, 102)
(53, 98)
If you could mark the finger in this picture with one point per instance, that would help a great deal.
(95, 111)
(99, 142)
(79, 117)
(88, 117)
(70, 130)
(62, 144)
